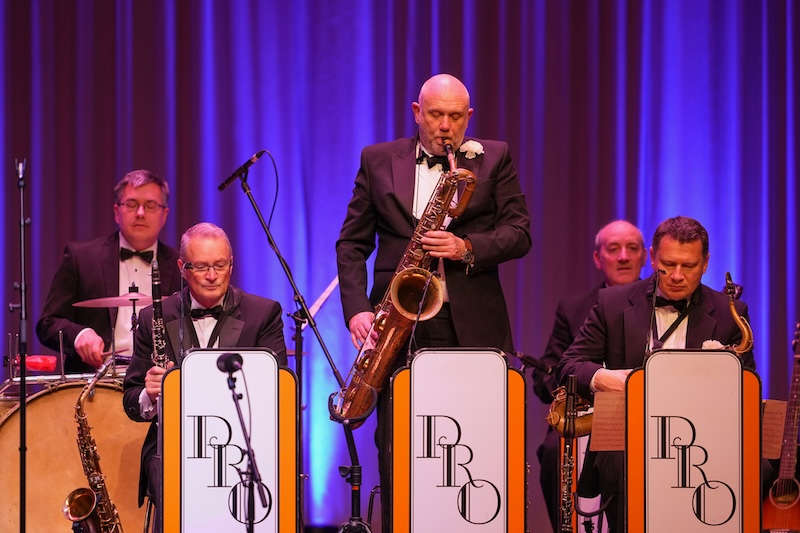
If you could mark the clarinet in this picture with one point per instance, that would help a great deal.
(567, 508)
(159, 355)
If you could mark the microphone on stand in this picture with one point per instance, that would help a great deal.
(229, 362)
(241, 170)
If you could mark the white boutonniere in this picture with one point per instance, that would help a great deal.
(712, 344)
(471, 149)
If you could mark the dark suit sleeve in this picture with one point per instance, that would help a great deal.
(140, 364)
(58, 313)
(585, 355)
(355, 244)
(509, 237)
(270, 334)
(560, 339)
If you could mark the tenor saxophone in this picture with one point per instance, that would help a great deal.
(91, 508)
(413, 294)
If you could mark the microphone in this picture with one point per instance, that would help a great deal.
(241, 170)
(229, 362)
(533, 362)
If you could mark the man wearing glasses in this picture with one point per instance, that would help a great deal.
(108, 266)
(216, 315)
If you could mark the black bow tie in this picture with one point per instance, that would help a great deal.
(125, 254)
(434, 160)
(680, 305)
(202, 312)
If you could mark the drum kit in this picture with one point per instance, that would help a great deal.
(54, 467)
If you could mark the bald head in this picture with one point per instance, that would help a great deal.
(444, 86)
(442, 113)
(619, 252)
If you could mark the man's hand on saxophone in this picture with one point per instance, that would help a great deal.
(444, 244)
(359, 326)
(152, 380)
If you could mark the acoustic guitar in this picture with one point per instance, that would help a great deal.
(780, 511)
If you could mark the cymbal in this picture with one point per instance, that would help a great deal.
(123, 300)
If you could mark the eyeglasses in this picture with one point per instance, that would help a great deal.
(150, 206)
(202, 268)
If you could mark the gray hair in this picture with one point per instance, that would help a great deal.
(206, 230)
(598, 242)
(138, 178)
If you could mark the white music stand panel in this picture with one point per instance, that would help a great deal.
(212, 444)
(459, 425)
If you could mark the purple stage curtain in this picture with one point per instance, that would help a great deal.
(614, 109)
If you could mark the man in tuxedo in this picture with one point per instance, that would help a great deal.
(392, 188)
(215, 315)
(619, 254)
(613, 339)
(108, 266)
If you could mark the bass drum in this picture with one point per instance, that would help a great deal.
(54, 466)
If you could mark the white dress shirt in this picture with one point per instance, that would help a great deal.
(134, 270)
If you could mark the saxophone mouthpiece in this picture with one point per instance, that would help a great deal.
(451, 157)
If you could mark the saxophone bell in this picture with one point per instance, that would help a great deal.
(80, 506)
(416, 292)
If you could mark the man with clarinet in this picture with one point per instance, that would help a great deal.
(208, 313)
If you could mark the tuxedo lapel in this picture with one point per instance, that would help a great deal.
(637, 328)
(403, 178)
(232, 323)
(109, 273)
(701, 325)
(169, 270)
(173, 334)
(231, 331)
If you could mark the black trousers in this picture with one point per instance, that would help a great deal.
(433, 333)
(549, 478)
(154, 488)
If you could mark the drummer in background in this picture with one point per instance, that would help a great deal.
(107, 266)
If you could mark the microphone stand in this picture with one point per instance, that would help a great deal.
(22, 306)
(302, 312)
(251, 475)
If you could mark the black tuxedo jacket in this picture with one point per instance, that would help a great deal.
(91, 270)
(249, 321)
(615, 333)
(570, 315)
(496, 222)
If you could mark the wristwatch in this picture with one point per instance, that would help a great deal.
(468, 257)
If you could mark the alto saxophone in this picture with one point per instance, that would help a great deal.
(91, 508)
(413, 294)
(734, 291)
